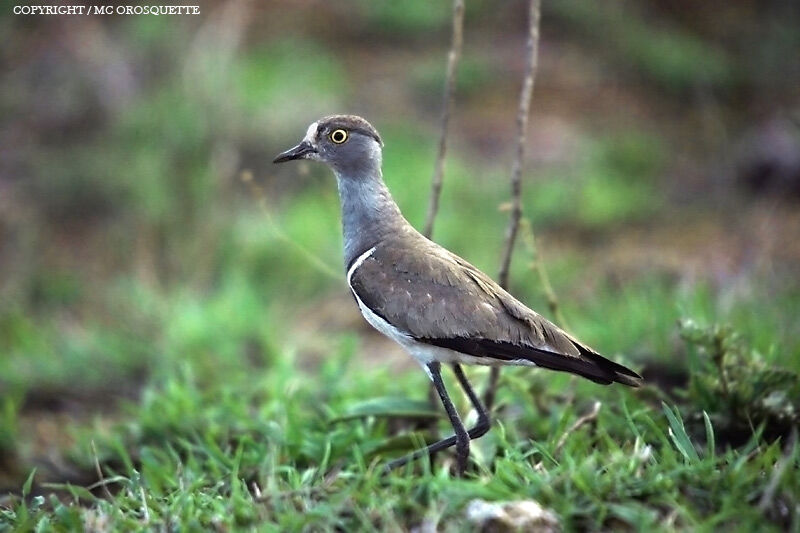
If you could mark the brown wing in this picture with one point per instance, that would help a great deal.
(438, 298)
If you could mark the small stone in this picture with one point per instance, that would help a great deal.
(522, 515)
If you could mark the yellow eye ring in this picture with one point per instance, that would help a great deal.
(338, 136)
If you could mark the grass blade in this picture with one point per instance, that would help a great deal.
(395, 407)
(26, 488)
(677, 433)
(711, 445)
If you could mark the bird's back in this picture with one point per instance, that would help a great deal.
(438, 298)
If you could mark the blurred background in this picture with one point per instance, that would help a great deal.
(146, 239)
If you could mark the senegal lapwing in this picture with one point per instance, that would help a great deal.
(433, 303)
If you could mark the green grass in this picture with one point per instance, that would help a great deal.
(238, 447)
(233, 430)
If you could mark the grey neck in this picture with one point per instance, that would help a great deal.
(369, 214)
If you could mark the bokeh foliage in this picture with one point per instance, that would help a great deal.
(168, 313)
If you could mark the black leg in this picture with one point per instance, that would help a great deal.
(461, 438)
(483, 424)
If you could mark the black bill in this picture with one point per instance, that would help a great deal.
(298, 152)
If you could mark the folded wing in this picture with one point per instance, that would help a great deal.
(440, 299)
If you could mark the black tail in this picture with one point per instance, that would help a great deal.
(588, 364)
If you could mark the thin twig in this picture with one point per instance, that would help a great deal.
(99, 471)
(532, 52)
(591, 416)
(522, 131)
(537, 265)
(312, 259)
(449, 97)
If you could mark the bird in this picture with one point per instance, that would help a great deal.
(438, 307)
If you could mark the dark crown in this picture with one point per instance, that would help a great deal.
(350, 123)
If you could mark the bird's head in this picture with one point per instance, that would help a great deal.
(346, 143)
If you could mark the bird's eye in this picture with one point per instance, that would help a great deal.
(338, 136)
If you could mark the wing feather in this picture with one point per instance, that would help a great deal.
(440, 299)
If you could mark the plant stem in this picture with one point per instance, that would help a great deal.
(449, 98)
(532, 52)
